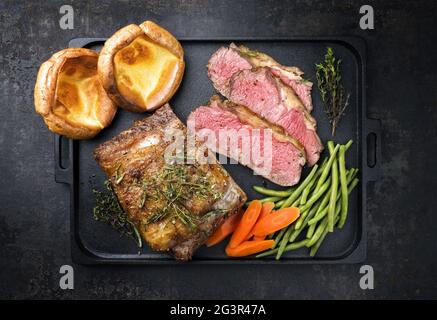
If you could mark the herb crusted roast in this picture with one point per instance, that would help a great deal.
(274, 92)
(175, 205)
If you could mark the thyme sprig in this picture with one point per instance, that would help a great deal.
(109, 210)
(334, 96)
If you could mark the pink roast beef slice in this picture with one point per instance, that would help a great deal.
(286, 159)
(225, 62)
(268, 97)
(302, 88)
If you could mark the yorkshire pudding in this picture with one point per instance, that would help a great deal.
(69, 96)
(141, 67)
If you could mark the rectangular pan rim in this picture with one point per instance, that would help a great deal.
(357, 251)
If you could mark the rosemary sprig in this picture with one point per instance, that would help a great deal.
(176, 184)
(118, 177)
(185, 216)
(143, 199)
(215, 213)
(334, 96)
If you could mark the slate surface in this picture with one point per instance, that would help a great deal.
(34, 216)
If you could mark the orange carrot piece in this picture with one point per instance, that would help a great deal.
(246, 224)
(259, 238)
(249, 247)
(276, 221)
(266, 210)
(225, 229)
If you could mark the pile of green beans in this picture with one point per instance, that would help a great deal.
(322, 198)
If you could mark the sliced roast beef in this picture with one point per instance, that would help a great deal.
(225, 62)
(269, 98)
(225, 120)
(265, 93)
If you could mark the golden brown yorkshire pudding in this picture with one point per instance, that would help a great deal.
(141, 67)
(69, 96)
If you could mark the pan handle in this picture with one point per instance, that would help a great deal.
(373, 158)
(63, 159)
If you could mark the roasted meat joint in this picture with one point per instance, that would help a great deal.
(175, 205)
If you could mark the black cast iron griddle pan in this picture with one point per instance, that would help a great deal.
(94, 242)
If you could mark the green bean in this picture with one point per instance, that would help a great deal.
(316, 195)
(267, 253)
(298, 224)
(289, 247)
(305, 192)
(355, 172)
(267, 199)
(334, 189)
(320, 229)
(296, 245)
(279, 203)
(333, 197)
(323, 209)
(309, 187)
(296, 202)
(325, 172)
(331, 146)
(296, 193)
(284, 242)
(352, 173)
(296, 232)
(352, 185)
(343, 184)
(348, 144)
(271, 192)
(349, 173)
(270, 199)
(310, 231)
(324, 203)
(318, 233)
(316, 246)
(278, 237)
(307, 207)
(319, 216)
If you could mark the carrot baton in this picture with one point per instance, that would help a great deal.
(259, 238)
(266, 210)
(246, 224)
(276, 221)
(249, 247)
(225, 229)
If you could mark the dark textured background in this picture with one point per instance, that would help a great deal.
(34, 215)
